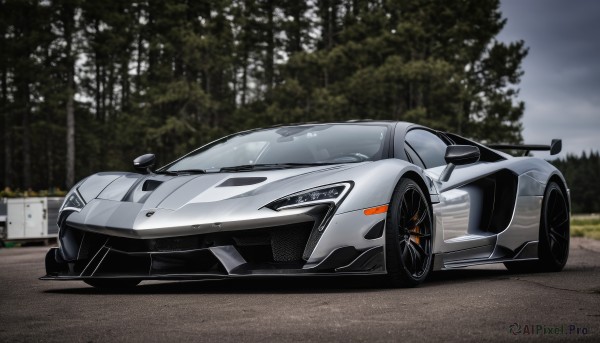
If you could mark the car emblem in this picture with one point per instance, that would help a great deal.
(149, 214)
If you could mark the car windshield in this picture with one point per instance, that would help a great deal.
(289, 145)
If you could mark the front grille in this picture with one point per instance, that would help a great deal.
(176, 243)
(288, 244)
(284, 243)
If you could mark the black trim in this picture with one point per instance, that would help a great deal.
(322, 215)
(462, 154)
(339, 257)
(370, 260)
(55, 265)
(150, 185)
(486, 154)
(376, 231)
(241, 181)
(555, 147)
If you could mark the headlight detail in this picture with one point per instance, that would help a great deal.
(325, 194)
(72, 201)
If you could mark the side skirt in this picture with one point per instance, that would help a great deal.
(527, 252)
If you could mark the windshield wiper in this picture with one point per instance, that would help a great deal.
(183, 171)
(166, 172)
(267, 166)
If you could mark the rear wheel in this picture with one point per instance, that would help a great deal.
(553, 246)
(113, 283)
(408, 236)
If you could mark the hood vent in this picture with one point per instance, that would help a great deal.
(150, 185)
(242, 181)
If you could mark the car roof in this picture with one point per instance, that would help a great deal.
(400, 126)
(353, 121)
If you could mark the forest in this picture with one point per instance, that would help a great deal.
(88, 85)
(581, 173)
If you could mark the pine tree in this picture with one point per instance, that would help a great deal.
(167, 76)
(435, 63)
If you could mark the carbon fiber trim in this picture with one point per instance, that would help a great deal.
(322, 218)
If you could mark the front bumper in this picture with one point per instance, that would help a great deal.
(290, 249)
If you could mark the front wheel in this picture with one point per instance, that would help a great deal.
(409, 237)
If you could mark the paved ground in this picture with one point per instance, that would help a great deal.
(468, 305)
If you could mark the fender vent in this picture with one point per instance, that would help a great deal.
(376, 231)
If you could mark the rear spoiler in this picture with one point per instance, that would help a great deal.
(555, 147)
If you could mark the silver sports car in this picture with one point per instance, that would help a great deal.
(359, 197)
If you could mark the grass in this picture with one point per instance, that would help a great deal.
(10, 245)
(585, 226)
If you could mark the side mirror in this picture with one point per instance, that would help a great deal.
(462, 154)
(457, 155)
(144, 163)
(555, 146)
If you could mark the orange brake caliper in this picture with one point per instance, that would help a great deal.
(416, 239)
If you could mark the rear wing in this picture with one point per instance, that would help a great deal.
(555, 147)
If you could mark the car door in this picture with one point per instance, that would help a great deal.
(459, 211)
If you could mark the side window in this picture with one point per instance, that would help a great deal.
(430, 148)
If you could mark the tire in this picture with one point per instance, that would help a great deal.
(554, 235)
(408, 236)
(113, 284)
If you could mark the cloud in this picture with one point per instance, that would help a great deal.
(561, 84)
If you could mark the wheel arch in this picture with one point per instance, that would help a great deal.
(411, 174)
(560, 181)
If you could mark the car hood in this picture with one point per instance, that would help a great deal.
(155, 205)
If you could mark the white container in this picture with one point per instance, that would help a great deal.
(31, 218)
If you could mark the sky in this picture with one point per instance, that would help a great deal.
(561, 84)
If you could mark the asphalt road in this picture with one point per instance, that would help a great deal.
(476, 304)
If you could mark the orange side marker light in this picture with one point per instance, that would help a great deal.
(375, 210)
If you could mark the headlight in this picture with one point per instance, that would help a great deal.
(73, 201)
(325, 194)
